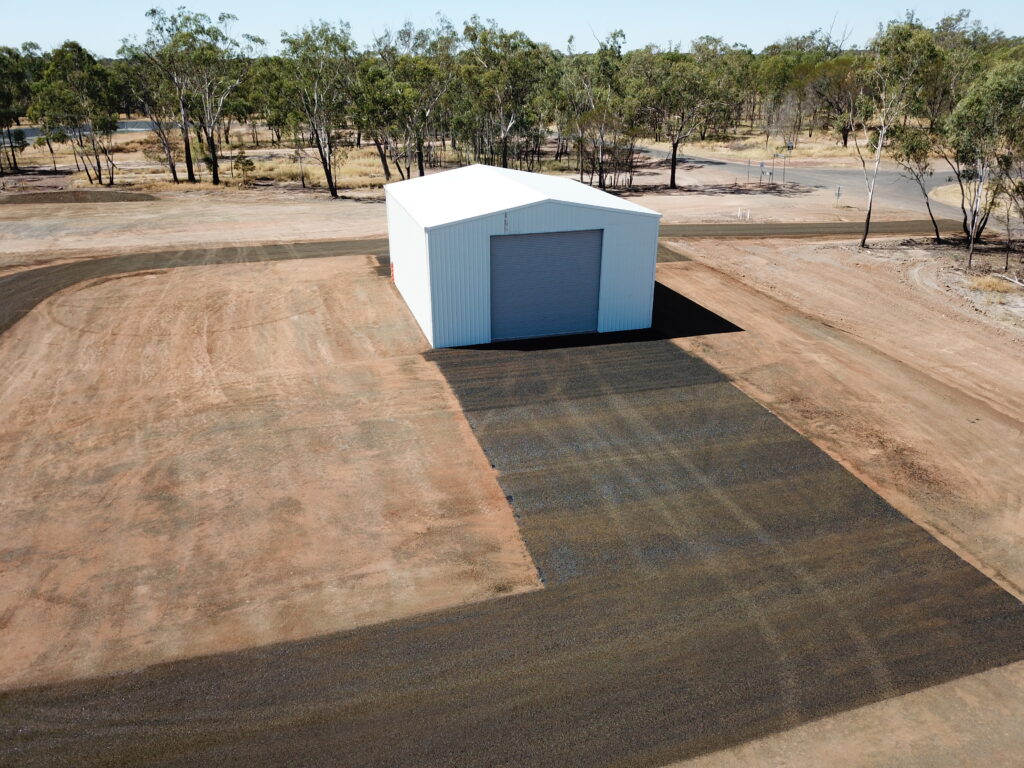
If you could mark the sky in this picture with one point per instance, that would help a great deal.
(100, 25)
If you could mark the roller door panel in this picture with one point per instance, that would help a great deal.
(545, 284)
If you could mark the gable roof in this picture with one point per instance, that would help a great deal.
(478, 190)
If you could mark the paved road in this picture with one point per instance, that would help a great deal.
(893, 189)
(711, 577)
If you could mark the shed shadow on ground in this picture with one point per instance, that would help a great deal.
(674, 317)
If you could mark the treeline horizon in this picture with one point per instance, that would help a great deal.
(482, 93)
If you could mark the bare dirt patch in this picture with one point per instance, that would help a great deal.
(218, 457)
(992, 286)
(33, 235)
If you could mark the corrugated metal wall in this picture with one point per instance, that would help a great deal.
(460, 267)
(460, 280)
(407, 243)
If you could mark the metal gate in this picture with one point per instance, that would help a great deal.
(545, 284)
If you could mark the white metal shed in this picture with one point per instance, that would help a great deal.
(483, 254)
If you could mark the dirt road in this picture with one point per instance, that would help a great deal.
(21, 291)
(36, 234)
(806, 229)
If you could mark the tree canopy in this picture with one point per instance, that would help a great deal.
(482, 93)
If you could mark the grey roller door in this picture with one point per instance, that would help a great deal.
(545, 284)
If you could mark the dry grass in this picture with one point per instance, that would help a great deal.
(950, 195)
(993, 284)
(566, 165)
(135, 142)
(358, 168)
(751, 146)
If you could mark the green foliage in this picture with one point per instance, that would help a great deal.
(988, 121)
(244, 165)
(912, 145)
(14, 87)
(483, 93)
(317, 69)
(75, 91)
(501, 75)
(197, 60)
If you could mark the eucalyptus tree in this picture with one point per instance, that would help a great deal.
(217, 65)
(673, 91)
(419, 71)
(204, 65)
(74, 96)
(239, 109)
(1012, 188)
(722, 69)
(838, 84)
(504, 72)
(375, 95)
(14, 94)
(912, 148)
(154, 96)
(900, 57)
(16, 144)
(387, 107)
(1010, 95)
(47, 138)
(799, 98)
(318, 67)
(592, 86)
(962, 49)
(774, 73)
(267, 92)
(164, 50)
(34, 61)
(986, 134)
